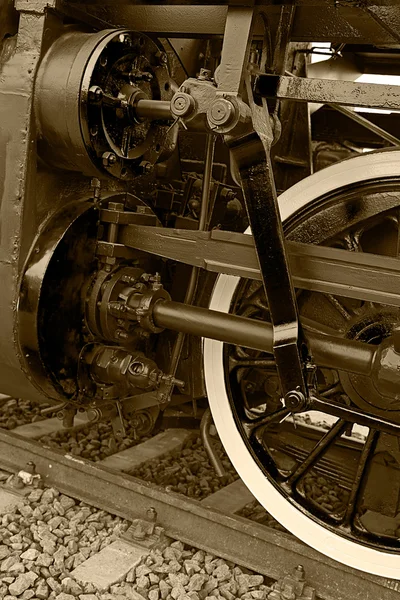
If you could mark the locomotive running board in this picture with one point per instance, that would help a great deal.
(317, 268)
(234, 538)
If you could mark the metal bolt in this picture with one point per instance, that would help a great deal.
(124, 39)
(146, 166)
(128, 279)
(152, 514)
(95, 93)
(295, 401)
(204, 75)
(299, 573)
(95, 185)
(120, 334)
(162, 57)
(109, 158)
(182, 104)
(221, 112)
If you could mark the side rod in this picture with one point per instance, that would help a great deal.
(358, 275)
(338, 353)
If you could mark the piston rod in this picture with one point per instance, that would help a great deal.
(153, 109)
(329, 351)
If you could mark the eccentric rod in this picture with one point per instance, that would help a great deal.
(329, 351)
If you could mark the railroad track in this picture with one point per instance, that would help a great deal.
(212, 524)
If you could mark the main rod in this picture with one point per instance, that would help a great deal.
(337, 353)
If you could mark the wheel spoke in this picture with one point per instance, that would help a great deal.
(253, 426)
(362, 470)
(342, 310)
(319, 449)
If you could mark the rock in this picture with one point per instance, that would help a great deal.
(55, 522)
(70, 586)
(8, 562)
(226, 593)
(133, 595)
(174, 566)
(222, 573)
(30, 554)
(28, 594)
(142, 570)
(25, 510)
(197, 581)
(17, 568)
(259, 594)
(178, 579)
(22, 583)
(199, 556)
(44, 560)
(4, 552)
(164, 589)
(210, 584)
(178, 591)
(191, 567)
(64, 596)
(172, 553)
(42, 591)
(143, 582)
(55, 586)
(35, 495)
(154, 594)
(72, 546)
(88, 597)
(131, 576)
(67, 502)
(255, 580)
(48, 496)
(49, 547)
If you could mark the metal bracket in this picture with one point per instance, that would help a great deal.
(146, 533)
(293, 587)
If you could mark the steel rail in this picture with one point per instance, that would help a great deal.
(234, 538)
(323, 269)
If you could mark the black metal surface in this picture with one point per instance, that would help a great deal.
(254, 546)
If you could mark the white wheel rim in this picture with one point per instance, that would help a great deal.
(355, 170)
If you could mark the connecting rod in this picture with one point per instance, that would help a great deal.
(338, 353)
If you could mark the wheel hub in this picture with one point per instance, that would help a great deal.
(375, 326)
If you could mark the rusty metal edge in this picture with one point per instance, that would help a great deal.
(233, 538)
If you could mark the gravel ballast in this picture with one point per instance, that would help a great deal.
(50, 534)
(15, 412)
(188, 471)
(94, 442)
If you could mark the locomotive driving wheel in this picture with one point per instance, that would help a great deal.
(333, 484)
